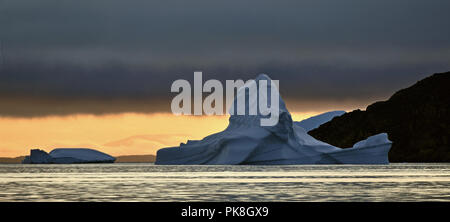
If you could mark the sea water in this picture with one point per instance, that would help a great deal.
(149, 182)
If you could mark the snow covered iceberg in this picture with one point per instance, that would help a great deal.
(245, 141)
(67, 156)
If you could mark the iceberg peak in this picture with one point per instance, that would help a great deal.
(258, 102)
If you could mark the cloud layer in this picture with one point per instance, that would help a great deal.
(64, 57)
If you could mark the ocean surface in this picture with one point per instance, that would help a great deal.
(148, 182)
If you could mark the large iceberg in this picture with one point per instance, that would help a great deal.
(245, 141)
(67, 156)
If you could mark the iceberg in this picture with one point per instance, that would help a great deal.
(315, 121)
(245, 141)
(68, 156)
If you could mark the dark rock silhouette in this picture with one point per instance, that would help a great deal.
(416, 119)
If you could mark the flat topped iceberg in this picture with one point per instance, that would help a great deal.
(245, 141)
(68, 155)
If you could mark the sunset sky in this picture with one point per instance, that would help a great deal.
(116, 134)
(98, 73)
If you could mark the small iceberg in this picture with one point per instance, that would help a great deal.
(67, 156)
(245, 141)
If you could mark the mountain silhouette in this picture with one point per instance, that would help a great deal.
(416, 119)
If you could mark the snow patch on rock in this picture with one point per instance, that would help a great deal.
(315, 121)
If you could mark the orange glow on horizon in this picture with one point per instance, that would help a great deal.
(118, 134)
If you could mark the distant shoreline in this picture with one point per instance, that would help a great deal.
(119, 159)
(143, 159)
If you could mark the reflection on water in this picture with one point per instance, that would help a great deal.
(148, 182)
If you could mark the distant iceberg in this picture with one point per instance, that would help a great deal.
(67, 156)
(315, 121)
(244, 141)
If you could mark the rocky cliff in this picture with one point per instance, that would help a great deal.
(417, 120)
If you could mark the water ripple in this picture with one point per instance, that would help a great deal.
(148, 182)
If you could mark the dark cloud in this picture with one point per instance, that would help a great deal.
(122, 56)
